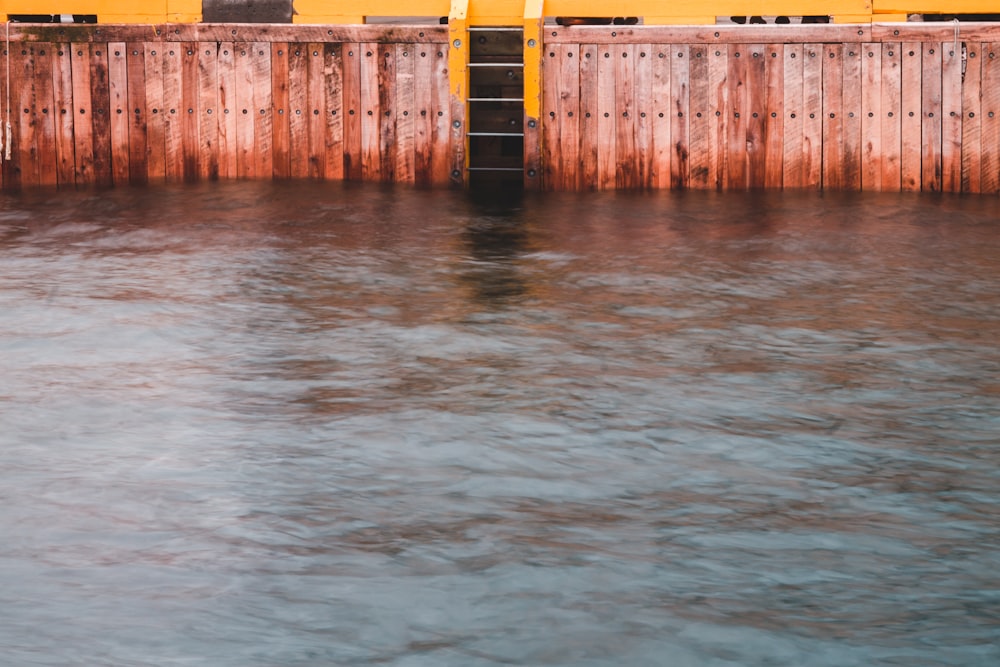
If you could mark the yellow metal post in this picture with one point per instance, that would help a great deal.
(533, 23)
(458, 80)
(111, 11)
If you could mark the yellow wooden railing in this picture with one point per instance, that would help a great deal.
(111, 11)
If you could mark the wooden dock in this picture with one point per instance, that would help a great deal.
(882, 107)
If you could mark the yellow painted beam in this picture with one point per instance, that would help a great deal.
(458, 83)
(355, 11)
(111, 11)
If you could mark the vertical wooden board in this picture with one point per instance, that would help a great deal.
(990, 146)
(812, 115)
(871, 117)
(62, 110)
(152, 63)
(774, 116)
(718, 77)
(644, 111)
(892, 78)
(9, 177)
(912, 97)
(680, 116)
(756, 94)
(833, 117)
(175, 116)
(333, 73)
(298, 110)
(662, 145)
(190, 111)
(228, 143)
(100, 99)
(138, 113)
(951, 117)
(700, 119)
(263, 110)
(972, 118)
(793, 161)
(317, 110)
(736, 139)
(210, 112)
(852, 102)
(42, 114)
(552, 156)
(118, 88)
(25, 116)
(387, 106)
(353, 113)
(607, 116)
(281, 164)
(589, 115)
(930, 117)
(569, 114)
(371, 111)
(442, 151)
(405, 110)
(423, 114)
(626, 176)
(82, 111)
(244, 110)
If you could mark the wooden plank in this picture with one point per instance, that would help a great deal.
(756, 125)
(912, 150)
(552, 156)
(190, 112)
(589, 117)
(353, 113)
(317, 110)
(644, 111)
(626, 174)
(423, 115)
(227, 113)
(851, 114)
(244, 110)
(662, 145)
(442, 149)
(736, 130)
(83, 126)
(25, 116)
(118, 90)
(607, 116)
(298, 111)
(951, 117)
(793, 167)
(871, 117)
(210, 112)
(100, 99)
(892, 115)
(371, 111)
(175, 115)
(833, 117)
(569, 115)
(930, 117)
(138, 113)
(334, 130)
(156, 114)
(718, 77)
(42, 115)
(700, 119)
(812, 115)
(972, 115)
(62, 110)
(406, 140)
(990, 146)
(774, 116)
(264, 111)
(680, 116)
(387, 102)
(280, 103)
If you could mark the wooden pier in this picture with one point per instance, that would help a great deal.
(844, 106)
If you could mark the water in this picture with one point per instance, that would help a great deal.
(254, 424)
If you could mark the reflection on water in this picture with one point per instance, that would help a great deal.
(257, 424)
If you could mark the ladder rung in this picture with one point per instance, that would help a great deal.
(494, 134)
(495, 99)
(495, 168)
(501, 28)
(496, 64)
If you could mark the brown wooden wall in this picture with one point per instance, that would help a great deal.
(134, 104)
(884, 107)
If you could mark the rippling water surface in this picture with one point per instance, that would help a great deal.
(251, 425)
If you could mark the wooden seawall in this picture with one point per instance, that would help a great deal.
(896, 106)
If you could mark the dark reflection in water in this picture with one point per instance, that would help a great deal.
(252, 424)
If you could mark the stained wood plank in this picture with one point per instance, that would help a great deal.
(569, 115)
(82, 113)
(990, 142)
(62, 110)
(910, 89)
(190, 112)
(552, 154)
(871, 117)
(334, 131)
(405, 95)
(718, 77)
(833, 117)
(851, 115)
(972, 119)
(387, 103)
(756, 125)
(644, 112)
(589, 117)
(371, 112)
(774, 116)
(118, 83)
(9, 127)
(175, 115)
(43, 116)
(353, 113)
(607, 116)
(25, 116)
(152, 63)
(892, 113)
(736, 130)
(100, 99)
(280, 111)
(227, 112)
(930, 117)
(210, 111)
(137, 112)
(244, 110)
(626, 174)
(298, 111)
(700, 119)
(662, 145)
(680, 116)
(442, 148)
(951, 117)
(812, 115)
(264, 111)
(793, 168)
(317, 110)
